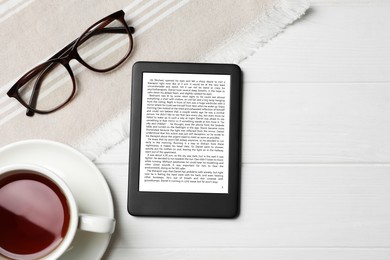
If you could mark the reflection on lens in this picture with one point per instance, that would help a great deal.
(48, 89)
(105, 45)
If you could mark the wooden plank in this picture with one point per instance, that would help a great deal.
(350, 3)
(339, 43)
(281, 206)
(340, 122)
(248, 253)
(117, 154)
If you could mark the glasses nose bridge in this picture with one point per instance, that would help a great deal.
(68, 57)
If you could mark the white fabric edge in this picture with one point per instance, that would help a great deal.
(106, 136)
(244, 43)
(236, 49)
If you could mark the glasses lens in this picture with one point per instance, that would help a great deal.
(48, 88)
(105, 45)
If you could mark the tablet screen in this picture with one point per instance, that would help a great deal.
(184, 141)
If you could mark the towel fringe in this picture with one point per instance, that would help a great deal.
(244, 43)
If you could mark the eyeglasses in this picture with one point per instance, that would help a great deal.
(51, 85)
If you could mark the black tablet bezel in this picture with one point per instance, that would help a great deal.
(180, 204)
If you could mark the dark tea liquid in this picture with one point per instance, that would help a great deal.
(34, 216)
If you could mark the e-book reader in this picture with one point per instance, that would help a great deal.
(184, 154)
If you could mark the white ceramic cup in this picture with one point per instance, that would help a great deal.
(77, 220)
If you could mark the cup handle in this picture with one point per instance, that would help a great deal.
(97, 224)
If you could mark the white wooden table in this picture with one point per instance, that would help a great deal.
(315, 151)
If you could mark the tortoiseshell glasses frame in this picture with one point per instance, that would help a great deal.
(102, 35)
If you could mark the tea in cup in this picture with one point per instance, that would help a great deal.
(39, 215)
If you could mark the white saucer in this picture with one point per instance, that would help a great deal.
(88, 185)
